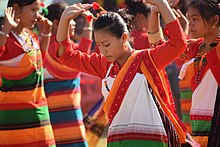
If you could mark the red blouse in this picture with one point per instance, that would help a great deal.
(97, 64)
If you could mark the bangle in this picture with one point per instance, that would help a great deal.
(3, 33)
(87, 28)
(46, 35)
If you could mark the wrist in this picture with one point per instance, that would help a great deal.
(46, 34)
(88, 29)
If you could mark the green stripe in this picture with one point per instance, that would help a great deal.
(8, 117)
(186, 94)
(185, 118)
(137, 143)
(29, 80)
(200, 125)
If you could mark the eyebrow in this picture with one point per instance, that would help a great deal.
(192, 15)
(102, 41)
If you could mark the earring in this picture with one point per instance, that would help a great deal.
(124, 45)
(213, 26)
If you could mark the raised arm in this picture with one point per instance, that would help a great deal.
(69, 13)
(171, 49)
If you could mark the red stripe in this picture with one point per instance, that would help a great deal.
(137, 136)
(70, 142)
(66, 108)
(31, 144)
(72, 91)
(60, 74)
(65, 125)
(200, 117)
(23, 105)
(17, 77)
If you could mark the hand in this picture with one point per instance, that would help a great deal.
(182, 19)
(45, 25)
(10, 21)
(173, 3)
(155, 9)
(73, 11)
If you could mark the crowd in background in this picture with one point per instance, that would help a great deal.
(73, 94)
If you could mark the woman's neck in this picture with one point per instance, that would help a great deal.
(209, 39)
(125, 56)
(19, 29)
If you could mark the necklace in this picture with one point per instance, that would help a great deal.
(31, 48)
(200, 59)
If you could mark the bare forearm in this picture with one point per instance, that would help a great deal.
(166, 12)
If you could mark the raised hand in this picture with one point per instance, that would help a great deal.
(10, 21)
(75, 10)
(44, 24)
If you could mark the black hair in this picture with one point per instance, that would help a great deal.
(207, 8)
(2, 20)
(21, 3)
(135, 7)
(113, 22)
(55, 10)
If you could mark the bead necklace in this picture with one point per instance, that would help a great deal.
(200, 60)
(31, 48)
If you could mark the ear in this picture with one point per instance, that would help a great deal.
(16, 8)
(215, 20)
(124, 37)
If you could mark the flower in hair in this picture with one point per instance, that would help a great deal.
(42, 4)
(96, 6)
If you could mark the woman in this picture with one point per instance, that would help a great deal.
(24, 117)
(202, 70)
(138, 107)
(203, 67)
(62, 84)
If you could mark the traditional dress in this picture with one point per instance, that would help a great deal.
(62, 88)
(140, 40)
(24, 116)
(202, 71)
(138, 104)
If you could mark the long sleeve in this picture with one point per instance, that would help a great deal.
(94, 64)
(171, 49)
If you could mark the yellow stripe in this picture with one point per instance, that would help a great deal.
(26, 135)
(60, 101)
(27, 96)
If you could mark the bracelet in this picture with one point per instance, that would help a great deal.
(46, 35)
(155, 37)
(87, 28)
(3, 33)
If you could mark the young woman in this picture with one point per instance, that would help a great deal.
(62, 84)
(202, 70)
(137, 102)
(24, 117)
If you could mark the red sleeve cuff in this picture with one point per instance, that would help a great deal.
(65, 42)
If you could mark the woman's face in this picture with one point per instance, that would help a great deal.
(197, 26)
(28, 14)
(110, 46)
